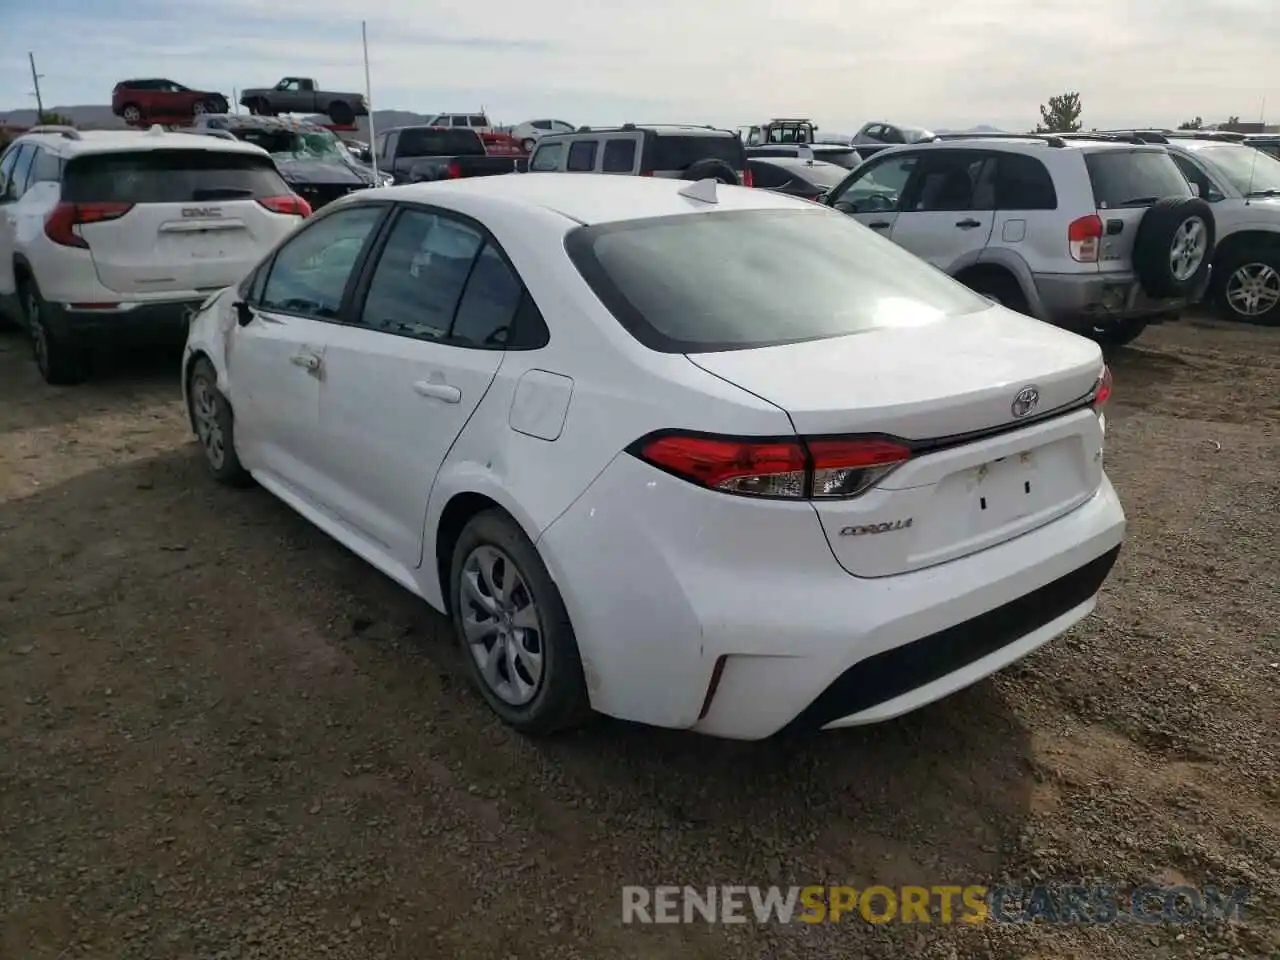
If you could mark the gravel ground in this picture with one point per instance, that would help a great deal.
(221, 735)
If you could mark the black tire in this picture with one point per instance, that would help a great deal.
(131, 113)
(1002, 288)
(1262, 262)
(1118, 333)
(60, 363)
(340, 113)
(202, 107)
(211, 417)
(712, 169)
(1160, 229)
(220, 105)
(527, 144)
(559, 699)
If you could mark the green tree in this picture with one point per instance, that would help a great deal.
(1195, 124)
(55, 119)
(1232, 121)
(1060, 115)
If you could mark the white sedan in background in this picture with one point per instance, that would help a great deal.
(698, 456)
(531, 131)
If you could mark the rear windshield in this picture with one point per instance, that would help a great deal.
(440, 143)
(1134, 178)
(697, 283)
(171, 176)
(676, 151)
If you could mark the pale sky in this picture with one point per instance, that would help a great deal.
(841, 62)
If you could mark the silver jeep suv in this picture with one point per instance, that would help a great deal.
(1101, 237)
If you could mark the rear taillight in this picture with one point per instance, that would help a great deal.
(1084, 236)
(291, 205)
(747, 179)
(61, 222)
(826, 468)
(454, 170)
(1101, 390)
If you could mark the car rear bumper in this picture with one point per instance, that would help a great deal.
(728, 616)
(1081, 302)
(125, 324)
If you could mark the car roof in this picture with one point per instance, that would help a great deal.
(582, 197)
(118, 141)
(241, 121)
(662, 129)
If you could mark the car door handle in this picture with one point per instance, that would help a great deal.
(437, 391)
(308, 361)
(879, 224)
(968, 224)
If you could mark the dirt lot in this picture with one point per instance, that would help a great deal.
(221, 735)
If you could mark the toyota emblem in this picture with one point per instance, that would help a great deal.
(1026, 400)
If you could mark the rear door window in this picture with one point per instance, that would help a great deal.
(437, 142)
(22, 172)
(47, 168)
(1134, 178)
(679, 151)
(170, 176)
(1023, 183)
(619, 156)
(582, 157)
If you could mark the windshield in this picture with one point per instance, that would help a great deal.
(296, 144)
(755, 278)
(1247, 169)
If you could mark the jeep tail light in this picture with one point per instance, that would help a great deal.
(1084, 236)
(747, 179)
(61, 222)
(290, 205)
(1101, 390)
(795, 468)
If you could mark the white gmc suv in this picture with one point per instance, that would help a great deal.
(117, 237)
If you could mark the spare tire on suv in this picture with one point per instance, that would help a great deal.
(1174, 246)
(711, 169)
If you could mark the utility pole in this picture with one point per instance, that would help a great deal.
(35, 81)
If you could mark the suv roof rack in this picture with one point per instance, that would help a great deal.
(1119, 136)
(66, 132)
(1052, 139)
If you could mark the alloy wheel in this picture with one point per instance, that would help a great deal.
(1254, 289)
(502, 625)
(1187, 253)
(204, 410)
(39, 335)
(132, 114)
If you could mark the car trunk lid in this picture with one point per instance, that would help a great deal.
(994, 407)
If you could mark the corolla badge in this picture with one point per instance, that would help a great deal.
(1026, 400)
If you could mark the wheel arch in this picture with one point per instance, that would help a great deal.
(1233, 242)
(1005, 264)
(443, 534)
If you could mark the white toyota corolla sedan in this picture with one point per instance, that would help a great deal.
(698, 456)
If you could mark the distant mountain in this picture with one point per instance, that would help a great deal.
(980, 128)
(90, 117)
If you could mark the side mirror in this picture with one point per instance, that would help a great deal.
(366, 156)
(244, 313)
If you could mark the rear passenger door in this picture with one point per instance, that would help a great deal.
(947, 213)
(1026, 221)
(435, 310)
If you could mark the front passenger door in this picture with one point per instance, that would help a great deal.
(947, 214)
(873, 195)
(276, 362)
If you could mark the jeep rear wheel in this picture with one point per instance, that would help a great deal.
(131, 113)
